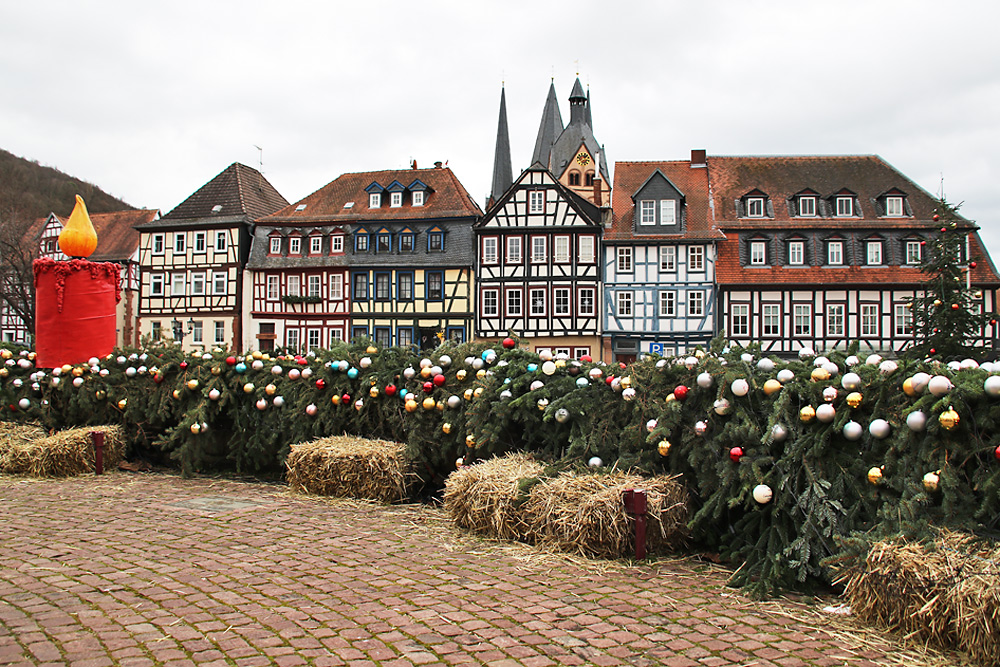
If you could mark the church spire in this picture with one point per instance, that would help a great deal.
(503, 175)
(577, 104)
(549, 130)
(589, 118)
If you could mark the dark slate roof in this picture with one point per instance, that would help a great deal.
(549, 129)
(446, 197)
(503, 174)
(629, 179)
(259, 248)
(577, 133)
(239, 191)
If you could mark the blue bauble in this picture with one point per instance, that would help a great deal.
(352, 373)
(532, 368)
(241, 367)
(582, 382)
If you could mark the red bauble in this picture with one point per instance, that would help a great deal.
(428, 387)
(933, 350)
(320, 383)
(184, 365)
(390, 390)
(954, 306)
(972, 265)
(439, 380)
(996, 452)
(993, 321)
(943, 230)
(346, 398)
(936, 217)
(608, 380)
(231, 361)
(157, 378)
(621, 365)
(736, 453)
(586, 358)
(509, 343)
(680, 392)
(302, 361)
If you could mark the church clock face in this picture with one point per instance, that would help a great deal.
(582, 159)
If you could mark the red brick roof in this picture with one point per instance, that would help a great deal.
(446, 198)
(630, 176)
(238, 190)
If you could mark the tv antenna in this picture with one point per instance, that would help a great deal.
(260, 157)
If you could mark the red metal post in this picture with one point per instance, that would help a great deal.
(636, 505)
(97, 437)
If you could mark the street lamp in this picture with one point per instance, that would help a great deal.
(179, 332)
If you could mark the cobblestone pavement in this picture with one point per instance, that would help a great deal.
(153, 569)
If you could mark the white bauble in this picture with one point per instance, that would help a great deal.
(806, 352)
(969, 364)
(888, 367)
(628, 394)
(343, 365)
(24, 404)
(992, 385)
(661, 363)
(852, 360)
(537, 384)
(279, 401)
(130, 372)
(311, 409)
(920, 381)
(426, 363)
(359, 404)
(409, 372)
(779, 433)
(874, 359)
(825, 413)
(850, 381)
(77, 382)
(436, 370)
(954, 366)
(477, 363)
(595, 462)
(853, 430)
(549, 367)
(454, 401)
(562, 415)
(746, 358)
(595, 373)
(257, 364)
(765, 365)
(879, 428)
(916, 421)
(762, 494)
(651, 425)
(819, 362)
(785, 375)
(831, 368)
(261, 404)
(444, 360)
(704, 380)
(276, 370)
(700, 427)
(829, 394)
(214, 394)
(294, 373)
(987, 366)
(542, 403)
(365, 362)
(505, 394)
(690, 363)
(545, 355)
(939, 385)
(93, 361)
(721, 407)
(740, 387)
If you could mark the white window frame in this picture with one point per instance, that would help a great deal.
(156, 284)
(696, 303)
(158, 244)
(197, 332)
(336, 286)
(539, 248)
(395, 199)
(914, 253)
(801, 320)
(647, 212)
(314, 339)
(417, 198)
(513, 250)
(295, 245)
(894, 207)
(807, 207)
(200, 242)
(868, 320)
(796, 253)
(560, 253)
(668, 258)
(178, 284)
(771, 319)
(220, 331)
(873, 253)
(293, 285)
(835, 253)
(221, 241)
(623, 303)
(758, 253)
(490, 255)
(835, 319)
(755, 207)
(272, 288)
(903, 319)
(623, 257)
(668, 211)
(739, 314)
(845, 206)
(586, 250)
(336, 243)
(536, 201)
(292, 339)
(536, 301)
(668, 303)
(274, 248)
(314, 288)
(587, 307)
(561, 300)
(198, 284)
(220, 280)
(315, 245)
(374, 199)
(491, 303)
(514, 302)
(696, 258)
(180, 243)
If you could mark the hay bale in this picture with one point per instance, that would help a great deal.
(946, 593)
(27, 450)
(351, 467)
(585, 513)
(486, 497)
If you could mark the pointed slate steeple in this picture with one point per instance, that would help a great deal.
(503, 175)
(549, 130)
(577, 104)
(589, 118)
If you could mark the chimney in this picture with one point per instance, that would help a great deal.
(414, 164)
(597, 189)
(698, 157)
(437, 165)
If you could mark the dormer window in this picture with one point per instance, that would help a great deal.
(874, 252)
(754, 204)
(668, 212)
(374, 200)
(396, 199)
(337, 243)
(807, 206)
(383, 241)
(315, 245)
(894, 207)
(755, 207)
(295, 246)
(647, 212)
(418, 198)
(758, 253)
(835, 253)
(796, 253)
(406, 238)
(435, 240)
(361, 242)
(275, 246)
(914, 252)
(844, 206)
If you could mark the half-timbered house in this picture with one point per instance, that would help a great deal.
(659, 260)
(822, 251)
(382, 254)
(192, 260)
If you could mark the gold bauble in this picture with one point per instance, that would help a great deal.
(807, 414)
(196, 428)
(560, 363)
(270, 390)
(699, 354)
(100, 394)
(411, 406)
(819, 374)
(216, 370)
(467, 394)
(66, 368)
(854, 399)
(771, 387)
(192, 384)
(931, 481)
(429, 403)
(470, 440)
(122, 403)
(31, 356)
(446, 427)
(177, 393)
(256, 354)
(481, 373)
(440, 406)
(478, 392)
(248, 388)
(949, 419)
(335, 399)
(663, 448)
(875, 475)
(6, 354)
(460, 375)
(4, 372)
(371, 349)
(908, 387)
(425, 372)
(937, 302)
(77, 371)
(373, 392)
(671, 397)
(626, 382)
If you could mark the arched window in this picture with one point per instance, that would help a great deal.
(590, 179)
(574, 178)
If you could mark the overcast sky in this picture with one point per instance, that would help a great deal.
(149, 103)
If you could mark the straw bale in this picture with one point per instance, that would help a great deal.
(29, 451)
(585, 513)
(351, 467)
(486, 497)
(946, 593)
